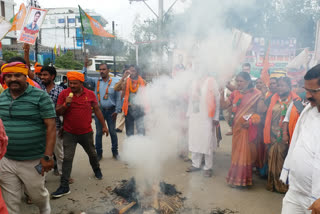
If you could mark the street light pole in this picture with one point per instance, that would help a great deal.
(160, 25)
(160, 17)
(114, 50)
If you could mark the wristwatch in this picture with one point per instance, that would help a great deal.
(48, 157)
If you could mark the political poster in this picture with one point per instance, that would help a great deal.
(31, 26)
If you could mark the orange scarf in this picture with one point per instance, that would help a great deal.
(211, 102)
(140, 82)
(267, 125)
(294, 116)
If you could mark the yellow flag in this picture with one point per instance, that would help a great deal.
(19, 18)
(55, 50)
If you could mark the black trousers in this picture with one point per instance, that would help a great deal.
(134, 118)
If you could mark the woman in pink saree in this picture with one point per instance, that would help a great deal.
(244, 121)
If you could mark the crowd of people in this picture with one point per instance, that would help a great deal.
(274, 134)
(273, 129)
(41, 126)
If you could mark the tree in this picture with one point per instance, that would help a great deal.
(67, 61)
(9, 54)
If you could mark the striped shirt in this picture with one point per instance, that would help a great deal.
(23, 122)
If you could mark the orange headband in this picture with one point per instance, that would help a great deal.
(74, 75)
(37, 69)
(15, 67)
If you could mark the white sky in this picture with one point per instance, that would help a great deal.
(120, 11)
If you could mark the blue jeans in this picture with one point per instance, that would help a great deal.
(112, 131)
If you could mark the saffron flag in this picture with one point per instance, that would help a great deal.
(266, 65)
(4, 27)
(18, 19)
(55, 50)
(90, 26)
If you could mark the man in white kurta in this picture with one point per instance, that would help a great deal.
(203, 113)
(301, 169)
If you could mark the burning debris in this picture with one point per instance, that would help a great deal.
(127, 190)
(168, 189)
(223, 211)
(161, 198)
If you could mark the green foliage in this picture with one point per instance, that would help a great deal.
(9, 54)
(278, 19)
(146, 35)
(67, 61)
(47, 61)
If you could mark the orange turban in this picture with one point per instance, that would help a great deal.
(37, 68)
(74, 75)
(15, 67)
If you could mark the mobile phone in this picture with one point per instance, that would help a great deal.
(39, 168)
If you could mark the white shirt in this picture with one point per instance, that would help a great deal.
(303, 156)
(287, 117)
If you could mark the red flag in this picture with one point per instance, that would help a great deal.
(266, 65)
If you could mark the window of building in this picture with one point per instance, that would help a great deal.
(52, 21)
(71, 20)
(60, 21)
(3, 9)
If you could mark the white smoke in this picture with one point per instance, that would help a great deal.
(213, 55)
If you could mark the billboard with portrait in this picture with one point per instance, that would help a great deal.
(31, 26)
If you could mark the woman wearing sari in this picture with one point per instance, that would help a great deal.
(261, 147)
(273, 133)
(244, 121)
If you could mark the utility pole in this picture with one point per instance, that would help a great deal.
(160, 16)
(74, 48)
(160, 25)
(114, 50)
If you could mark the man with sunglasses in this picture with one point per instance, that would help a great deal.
(110, 104)
(301, 169)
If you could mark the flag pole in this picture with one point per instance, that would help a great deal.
(82, 30)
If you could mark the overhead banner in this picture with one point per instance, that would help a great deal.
(31, 26)
(241, 41)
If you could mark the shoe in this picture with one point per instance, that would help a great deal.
(98, 175)
(193, 169)
(56, 172)
(207, 173)
(116, 156)
(118, 130)
(229, 133)
(61, 191)
(99, 157)
(71, 180)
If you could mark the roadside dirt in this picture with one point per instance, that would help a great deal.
(203, 195)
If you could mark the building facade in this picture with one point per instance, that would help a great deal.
(62, 27)
(7, 11)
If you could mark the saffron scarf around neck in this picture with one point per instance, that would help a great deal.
(267, 125)
(210, 98)
(127, 93)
